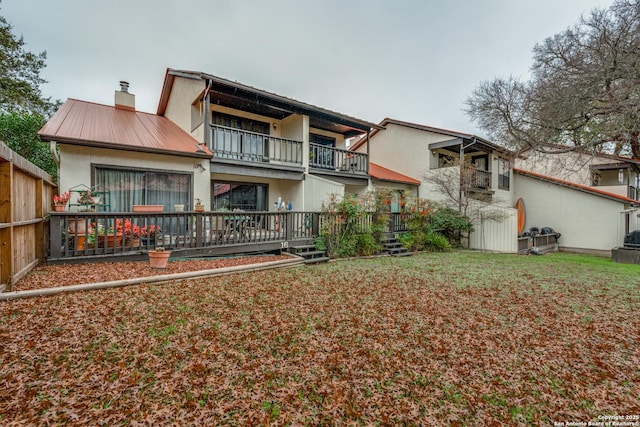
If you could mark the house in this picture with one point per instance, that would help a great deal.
(592, 199)
(613, 174)
(230, 145)
(590, 219)
(428, 154)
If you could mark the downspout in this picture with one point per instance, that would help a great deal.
(368, 151)
(207, 108)
(56, 158)
(462, 148)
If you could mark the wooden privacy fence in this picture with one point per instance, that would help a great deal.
(26, 192)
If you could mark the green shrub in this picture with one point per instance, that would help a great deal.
(434, 241)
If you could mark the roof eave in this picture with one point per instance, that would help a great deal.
(112, 146)
(573, 186)
(342, 119)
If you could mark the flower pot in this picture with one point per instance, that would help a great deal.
(77, 226)
(199, 208)
(110, 241)
(80, 241)
(59, 208)
(159, 259)
(148, 208)
(178, 208)
(132, 243)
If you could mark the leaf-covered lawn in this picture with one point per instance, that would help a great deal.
(434, 339)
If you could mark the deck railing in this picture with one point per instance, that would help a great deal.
(99, 234)
(237, 144)
(337, 159)
(89, 234)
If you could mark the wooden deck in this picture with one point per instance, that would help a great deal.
(82, 236)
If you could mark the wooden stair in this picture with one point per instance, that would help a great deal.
(309, 252)
(393, 247)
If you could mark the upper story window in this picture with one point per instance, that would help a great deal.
(445, 160)
(241, 123)
(321, 154)
(240, 139)
(504, 174)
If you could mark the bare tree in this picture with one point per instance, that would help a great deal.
(458, 185)
(584, 92)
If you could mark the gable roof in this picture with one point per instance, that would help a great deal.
(579, 187)
(96, 125)
(269, 104)
(383, 174)
(455, 134)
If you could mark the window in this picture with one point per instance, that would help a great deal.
(141, 187)
(321, 155)
(233, 195)
(504, 174)
(445, 160)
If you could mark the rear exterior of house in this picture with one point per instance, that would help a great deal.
(228, 145)
(421, 152)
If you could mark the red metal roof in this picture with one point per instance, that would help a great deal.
(89, 124)
(384, 174)
(579, 187)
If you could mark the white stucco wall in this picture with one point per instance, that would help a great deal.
(180, 109)
(317, 190)
(404, 150)
(586, 221)
(409, 190)
(76, 162)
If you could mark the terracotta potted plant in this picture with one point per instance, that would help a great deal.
(60, 202)
(150, 234)
(159, 257)
(199, 206)
(131, 233)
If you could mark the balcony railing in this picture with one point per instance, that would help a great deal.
(237, 144)
(336, 159)
(478, 179)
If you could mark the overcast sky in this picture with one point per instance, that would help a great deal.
(409, 60)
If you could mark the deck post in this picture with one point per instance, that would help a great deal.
(289, 227)
(199, 229)
(55, 235)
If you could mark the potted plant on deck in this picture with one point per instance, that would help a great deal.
(130, 231)
(60, 202)
(159, 257)
(199, 207)
(150, 234)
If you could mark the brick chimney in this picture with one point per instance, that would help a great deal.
(125, 100)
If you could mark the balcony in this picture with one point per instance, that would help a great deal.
(229, 144)
(326, 158)
(477, 179)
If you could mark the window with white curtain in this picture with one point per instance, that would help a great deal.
(129, 187)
